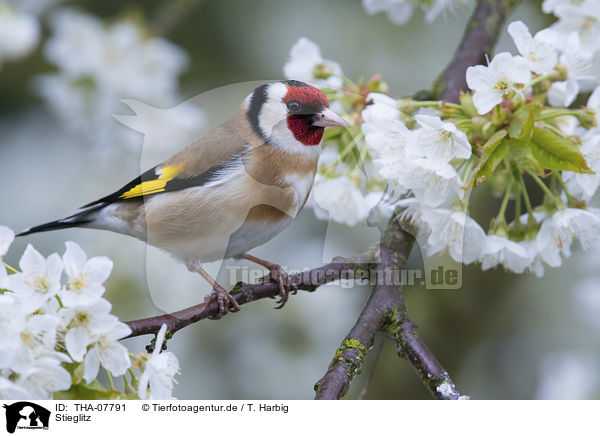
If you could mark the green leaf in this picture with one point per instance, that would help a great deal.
(521, 129)
(523, 159)
(556, 152)
(492, 157)
(495, 149)
(523, 111)
(494, 141)
(91, 391)
(78, 373)
(492, 162)
(551, 161)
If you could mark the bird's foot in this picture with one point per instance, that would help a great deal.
(224, 299)
(286, 286)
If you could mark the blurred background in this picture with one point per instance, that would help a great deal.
(66, 69)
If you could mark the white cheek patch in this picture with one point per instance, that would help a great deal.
(273, 110)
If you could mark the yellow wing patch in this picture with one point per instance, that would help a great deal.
(153, 186)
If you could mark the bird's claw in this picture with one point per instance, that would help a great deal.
(286, 286)
(224, 300)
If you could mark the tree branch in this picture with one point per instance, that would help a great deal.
(245, 293)
(385, 311)
(479, 39)
(349, 357)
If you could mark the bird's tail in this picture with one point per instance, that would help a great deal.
(76, 220)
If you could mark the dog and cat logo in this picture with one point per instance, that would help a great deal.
(26, 415)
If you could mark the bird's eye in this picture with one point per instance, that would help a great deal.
(293, 106)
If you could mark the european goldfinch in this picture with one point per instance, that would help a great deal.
(227, 192)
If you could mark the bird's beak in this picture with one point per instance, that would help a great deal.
(328, 118)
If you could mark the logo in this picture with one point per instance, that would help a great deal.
(26, 415)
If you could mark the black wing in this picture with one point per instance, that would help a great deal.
(165, 179)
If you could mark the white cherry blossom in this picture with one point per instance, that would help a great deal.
(584, 186)
(498, 250)
(305, 59)
(441, 140)
(540, 56)
(39, 279)
(579, 73)
(108, 351)
(43, 378)
(387, 137)
(501, 77)
(454, 231)
(36, 339)
(19, 32)
(535, 262)
(13, 320)
(160, 371)
(85, 277)
(6, 238)
(39, 333)
(412, 211)
(432, 182)
(557, 233)
(114, 61)
(594, 103)
(399, 11)
(11, 390)
(445, 7)
(381, 109)
(83, 323)
(342, 201)
(583, 18)
(549, 6)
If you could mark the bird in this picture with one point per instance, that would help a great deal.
(227, 192)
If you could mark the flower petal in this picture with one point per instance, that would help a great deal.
(98, 269)
(91, 365)
(520, 35)
(74, 259)
(479, 77)
(32, 261)
(485, 101)
(76, 340)
(6, 238)
(143, 385)
(114, 357)
(160, 339)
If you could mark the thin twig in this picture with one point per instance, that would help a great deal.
(412, 348)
